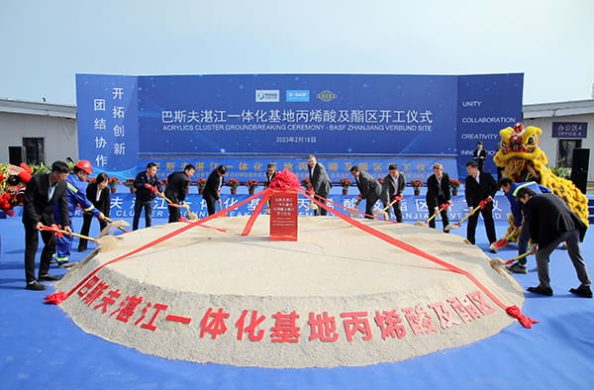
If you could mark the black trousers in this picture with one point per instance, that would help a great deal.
(147, 205)
(487, 213)
(86, 227)
(370, 202)
(431, 205)
(31, 245)
(210, 204)
(320, 210)
(174, 214)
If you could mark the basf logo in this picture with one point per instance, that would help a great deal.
(297, 95)
(267, 95)
(326, 96)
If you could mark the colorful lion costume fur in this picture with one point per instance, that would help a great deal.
(524, 161)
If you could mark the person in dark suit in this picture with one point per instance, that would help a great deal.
(270, 173)
(100, 197)
(212, 189)
(550, 223)
(438, 193)
(178, 184)
(478, 187)
(147, 185)
(320, 183)
(392, 188)
(479, 155)
(42, 193)
(369, 189)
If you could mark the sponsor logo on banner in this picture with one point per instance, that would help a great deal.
(297, 95)
(326, 96)
(267, 95)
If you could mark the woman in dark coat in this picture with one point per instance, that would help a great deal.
(99, 195)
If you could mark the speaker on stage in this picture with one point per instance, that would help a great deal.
(579, 168)
(16, 154)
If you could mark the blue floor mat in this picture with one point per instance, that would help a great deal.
(42, 348)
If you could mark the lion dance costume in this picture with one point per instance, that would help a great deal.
(523, 160)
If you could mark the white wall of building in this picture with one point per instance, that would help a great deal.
(550, 145)
(59, 134)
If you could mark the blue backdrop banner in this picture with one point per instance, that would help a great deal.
(247, 121)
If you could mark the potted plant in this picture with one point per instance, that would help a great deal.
(233, 184)
(251, 185)
(345, 183)
(201, 183)
(112, 184)
(454, 185)
(416, 185)
(130, 184)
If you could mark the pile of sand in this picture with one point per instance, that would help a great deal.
(336, 297)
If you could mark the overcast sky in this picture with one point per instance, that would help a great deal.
(45, 43)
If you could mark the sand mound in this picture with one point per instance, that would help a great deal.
(336, 297)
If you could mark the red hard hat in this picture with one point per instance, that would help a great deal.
(85, 165)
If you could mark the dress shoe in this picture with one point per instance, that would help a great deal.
(35, 286)
(582, 291)
(49, 278)
(541, 290)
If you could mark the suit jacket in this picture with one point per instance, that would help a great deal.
(475, 192)
(319, 180)
(548, 217)
(369, 187)
(479, 157)
(212, 188)
(177, 186)
(271, 177)
(433, 187)
(38, 208)
(104, 202)
(389, 190)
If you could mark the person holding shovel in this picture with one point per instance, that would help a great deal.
(369, 189)
(480, 186)
(147, 186)
(212, 189)
(178, 184)
(392, 188)
(510, 189)
(42, 193)
(438, 194)
(551, 222)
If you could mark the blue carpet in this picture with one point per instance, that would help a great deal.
(42, 348)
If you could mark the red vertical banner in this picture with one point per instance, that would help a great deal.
(283, 216)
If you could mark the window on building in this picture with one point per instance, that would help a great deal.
(565, 154)
(34, 148)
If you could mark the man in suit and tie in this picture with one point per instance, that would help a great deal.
(99, 195)
(479, 155)
(478, 187)
(369, 189)
(392, 188)
(320, 183)
(212, 189)
(438, 193)
(42, 193)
